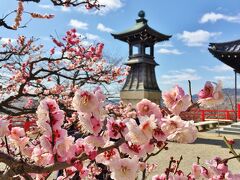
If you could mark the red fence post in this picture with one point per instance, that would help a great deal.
(227, 114)
(238, 111)
(202, 115)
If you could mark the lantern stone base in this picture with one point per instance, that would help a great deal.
(135, 96)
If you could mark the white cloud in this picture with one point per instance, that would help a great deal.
(197, 38)
(218, 68)
(214, 17)
(224, 78)
(89, 36)
(103, 28)
(78, 24)
(46, 6)
(6, 40)
(189, 70)
(169, 51)
(86, 43)
(89, 39)
(175, 77)
(65, 9)
(109, 5)
(92, 37)
(164, 44)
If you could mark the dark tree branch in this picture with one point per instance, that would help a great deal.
(18, 167)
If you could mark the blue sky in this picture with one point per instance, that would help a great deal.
(192, 23)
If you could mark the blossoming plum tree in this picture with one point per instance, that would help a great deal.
(77, 133)
(89, 4)
(112, 141)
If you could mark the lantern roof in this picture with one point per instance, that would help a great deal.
(141, 32)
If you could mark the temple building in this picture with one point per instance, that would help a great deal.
(229, 54)
(141, 81)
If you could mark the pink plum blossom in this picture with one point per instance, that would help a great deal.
(196, 171)
(92, 154)
(4, 128)
(124, 169)
(20, 142)
(46, 144)
(18, 138)
(85, 102)
(186, 134)
(230, 176)
(158, 177)
(135, 134)
(216, 98)
(159, 135)
(84, 172)
(60, 134)
(40, 157)
(207, 91)
(17, 133)
(107, 156)
(147, 125)
(95, 141)
(222, 167)
(99, 94)
(144, 132)
(69, 172)
(147, 108)
(133, 150)
(50, 117)
(176, 100)
(171, 124)
(178, 130)
(90, 123)
(79, 146)
(115, 128)
(65, 149)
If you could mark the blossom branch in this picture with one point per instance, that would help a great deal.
(231, 149)
(20, 167)
(156, 153)
(178, 163)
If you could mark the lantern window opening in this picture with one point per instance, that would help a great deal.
(136, 49)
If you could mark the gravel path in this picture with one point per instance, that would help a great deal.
(207, 146)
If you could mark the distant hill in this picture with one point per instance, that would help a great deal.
(231, 91)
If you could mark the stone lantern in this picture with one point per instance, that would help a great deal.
(141, 81)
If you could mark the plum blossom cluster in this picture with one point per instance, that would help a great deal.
(19, 14)
(25, 72)
(41, 16)
(211, 96)
(114, 140)
(117, 145)
(215, 168)
(18, 17)
(111, 140)
(176, 100)
(89, 4)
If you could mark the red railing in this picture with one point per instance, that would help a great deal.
(194, 114)
(205, 114)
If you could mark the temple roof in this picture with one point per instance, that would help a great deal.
(227, 52)
(227, 47)
(141, 31)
